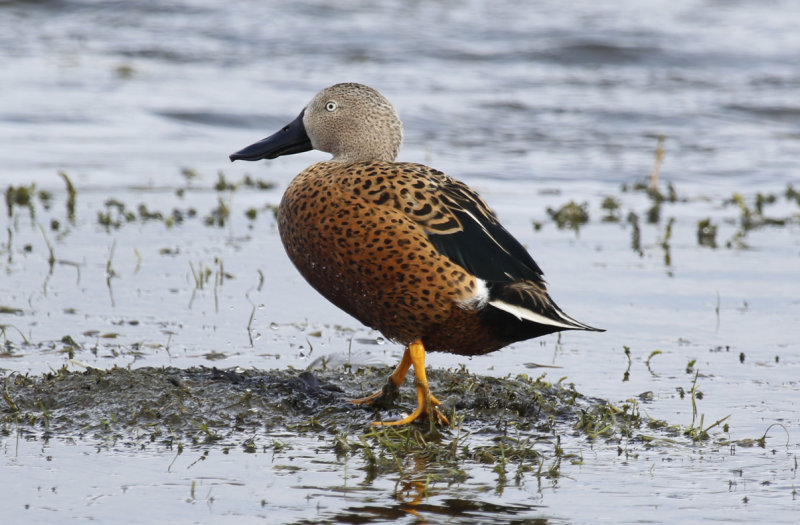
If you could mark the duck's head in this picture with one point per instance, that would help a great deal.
(351, 121)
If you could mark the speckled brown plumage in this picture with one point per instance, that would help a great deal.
(402, 247)
(359, 234)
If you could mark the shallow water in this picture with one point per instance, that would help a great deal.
(534, 106)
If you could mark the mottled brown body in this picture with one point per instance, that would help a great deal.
(358, 234)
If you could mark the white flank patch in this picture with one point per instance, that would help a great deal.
(478, 300)
(524, 313)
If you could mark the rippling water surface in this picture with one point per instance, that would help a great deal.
(532, 103)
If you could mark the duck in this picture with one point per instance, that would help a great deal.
(402, 247)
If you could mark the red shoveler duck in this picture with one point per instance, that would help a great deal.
(403, 248)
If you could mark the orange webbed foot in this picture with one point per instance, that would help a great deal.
(426, 408)
(426, 402)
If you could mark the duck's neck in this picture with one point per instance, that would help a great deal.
(381, 146)
(365, 156)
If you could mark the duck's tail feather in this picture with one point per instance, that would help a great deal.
(525, 309)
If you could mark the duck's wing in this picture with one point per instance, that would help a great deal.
(461, 226)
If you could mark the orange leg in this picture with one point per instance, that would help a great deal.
(426, 402)
(395, 380)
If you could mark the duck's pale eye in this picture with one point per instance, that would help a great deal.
(330, 106)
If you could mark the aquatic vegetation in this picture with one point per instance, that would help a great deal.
(258, 184)
(224, 407)
(612, 208)
(636, 233)
(792, 194)
(752, 215)
(20, 196)
(665, 244)
(570, 216)
(218, 216)
(223, 184)
(117, 214)
(247, 181)
(706, 233)
(696, 430)
(753, 211)
(71, 196)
